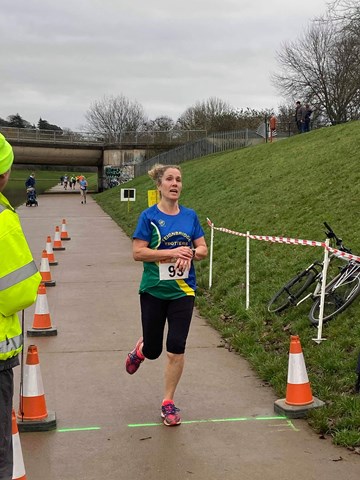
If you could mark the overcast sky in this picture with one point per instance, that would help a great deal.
(60, 57)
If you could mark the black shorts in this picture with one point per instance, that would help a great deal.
(154, 313)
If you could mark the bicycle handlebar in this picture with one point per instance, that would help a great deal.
(332, 235)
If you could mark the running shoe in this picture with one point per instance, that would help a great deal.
(134, 358)
(170, 414)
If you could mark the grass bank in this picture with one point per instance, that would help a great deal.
(286, 188)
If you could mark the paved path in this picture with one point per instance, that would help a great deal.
(95, 308)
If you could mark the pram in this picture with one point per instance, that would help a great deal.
(31, 197)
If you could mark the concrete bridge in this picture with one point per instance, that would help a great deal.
(114, 156)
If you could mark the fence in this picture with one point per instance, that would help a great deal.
(174, 137)
(53, 136)
(213, 143)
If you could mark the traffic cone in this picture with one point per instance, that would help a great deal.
(50, 252)
(18, 460)
(57, 245)
(42, 322)
(299, 397)
(33, 415)
(45, 271)
(64, 233)
(298, 391)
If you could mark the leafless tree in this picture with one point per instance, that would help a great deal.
(346, 12)
(322, 67)
(250, 118)
(111, 116)
(206, 115)
(161, 124)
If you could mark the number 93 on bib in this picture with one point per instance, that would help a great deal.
(167, 271)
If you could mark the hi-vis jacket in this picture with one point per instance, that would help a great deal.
(19, 280)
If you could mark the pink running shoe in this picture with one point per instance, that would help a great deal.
(170, 414)
(134, 358)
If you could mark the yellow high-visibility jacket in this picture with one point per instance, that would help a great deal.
(19, 279)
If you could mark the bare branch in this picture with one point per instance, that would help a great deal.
(113, 115)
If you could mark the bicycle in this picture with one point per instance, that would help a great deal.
(339, 292)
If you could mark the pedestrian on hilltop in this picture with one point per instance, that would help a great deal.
(168, 239)
(308, 113)
(300, 113)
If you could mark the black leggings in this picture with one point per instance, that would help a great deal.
(6, 396)
(154, 313)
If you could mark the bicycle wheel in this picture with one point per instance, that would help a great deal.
(338, 296)
(291, 292)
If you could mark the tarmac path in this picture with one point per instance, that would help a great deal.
(108, 422)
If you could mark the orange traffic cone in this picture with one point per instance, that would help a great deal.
(57, 240)
(64, 233)
(45, 271)
(298, 392)
(33, 415)
(42, 322)
(50, 252)
(18, 460)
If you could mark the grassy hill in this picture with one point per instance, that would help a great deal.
(287, 188)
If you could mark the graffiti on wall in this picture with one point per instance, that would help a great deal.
(115, 175)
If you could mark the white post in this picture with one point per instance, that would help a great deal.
(247, 270)
(322, 296)
(211, 255)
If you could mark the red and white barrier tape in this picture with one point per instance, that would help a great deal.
(341, 254)
(287, 240)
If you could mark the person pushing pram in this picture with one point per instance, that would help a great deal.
(30, 190)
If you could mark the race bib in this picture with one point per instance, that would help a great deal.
(167, 271)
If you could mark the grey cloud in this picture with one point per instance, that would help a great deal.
(61, 57)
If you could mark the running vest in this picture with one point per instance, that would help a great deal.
(163, 231)
(19, 279)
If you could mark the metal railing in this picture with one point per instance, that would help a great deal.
(213, 143)
(174, 137)
(53, 136)
(155, 137)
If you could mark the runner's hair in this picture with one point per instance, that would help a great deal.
(158, 171)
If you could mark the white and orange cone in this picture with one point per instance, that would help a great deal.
(42, 326)
(18, 460)
(33, 414)
(64, 233)
(45, 271)
(50, 252)
(298, 391)
(57, 245)
(299, 397)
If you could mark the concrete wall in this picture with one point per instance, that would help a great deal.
(119, 157)
(118, 165)
(57, 156)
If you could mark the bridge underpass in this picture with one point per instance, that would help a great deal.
(44, 148)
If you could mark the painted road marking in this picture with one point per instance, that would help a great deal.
(281, 425)
(79, 429)
(219, 420)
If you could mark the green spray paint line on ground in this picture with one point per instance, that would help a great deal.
(215, 420)
(80, 429)
(188, 422)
